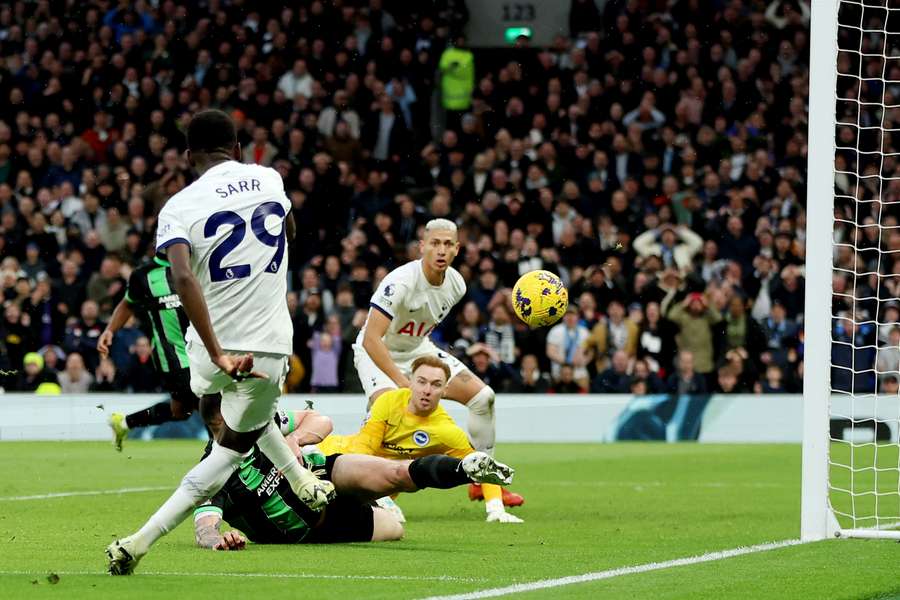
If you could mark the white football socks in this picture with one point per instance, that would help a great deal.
(481, 420)
(272, 444)
(199, 485)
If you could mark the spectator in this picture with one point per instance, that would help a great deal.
(578, 159)
(339, 111)
(565, 346)
(781, 335)
(46, 324)
(685, 380)
(499, 334)
(296, 82)
(675, 246)
(16, 333)
(530, 378)
(566, 383)
(888, 362)
(385, 139)
(653, 384)
(890, 386)
(326, 353)
(113, 230)
(53, 357)
(311, 283)
(727, 381)
(615, 379)
(107, 285)
(141, 375)
(106, 378)
(656, 340)
(485, 364)
(75, 379)
(457, 66)
(613, 334)
(260, 151)
(82, 335)
(34, 375)
(70, 290)
(695, 321)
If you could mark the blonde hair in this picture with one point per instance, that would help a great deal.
(440, 225)
(431, 361)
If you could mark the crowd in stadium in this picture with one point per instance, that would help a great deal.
(654, 157)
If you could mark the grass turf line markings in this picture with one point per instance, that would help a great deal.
(128, 490)
(266, 575)
(707, 484)
(544, 584)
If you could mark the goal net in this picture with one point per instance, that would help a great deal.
(854, 100)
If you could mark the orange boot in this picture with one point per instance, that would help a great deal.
(509, 498)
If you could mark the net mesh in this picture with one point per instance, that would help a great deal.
(864, 460)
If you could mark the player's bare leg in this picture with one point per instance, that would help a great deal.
(372, 477)
(206, 478)
(468, 389)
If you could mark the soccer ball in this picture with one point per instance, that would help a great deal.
(539, 298)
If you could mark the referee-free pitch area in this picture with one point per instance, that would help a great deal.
(622, 514)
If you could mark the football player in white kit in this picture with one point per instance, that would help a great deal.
(225, 236)
(408, 304)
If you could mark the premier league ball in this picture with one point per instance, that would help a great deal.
(539, 298)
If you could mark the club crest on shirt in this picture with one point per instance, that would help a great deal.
(421, 438)
(389, 290)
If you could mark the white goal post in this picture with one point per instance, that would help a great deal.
(851, 455)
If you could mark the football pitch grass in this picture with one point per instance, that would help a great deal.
(589, 509)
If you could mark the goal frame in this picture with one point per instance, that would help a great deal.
(817, 519)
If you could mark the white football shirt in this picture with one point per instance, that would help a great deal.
(414, 306)
(233, 219)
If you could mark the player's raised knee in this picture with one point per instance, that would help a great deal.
(482, 403)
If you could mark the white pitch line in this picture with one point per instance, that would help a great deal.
(598, 575)
(706, 484)
(261, 575)
(131, 490)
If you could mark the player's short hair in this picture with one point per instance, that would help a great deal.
(441, 225)
(211, 131)
(431, 361)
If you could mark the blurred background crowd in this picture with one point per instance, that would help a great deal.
(654, 156)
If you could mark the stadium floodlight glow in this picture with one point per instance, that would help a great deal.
(851, 454)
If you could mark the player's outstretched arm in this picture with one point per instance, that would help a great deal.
(119, 317)
(207, 535)
(376, 326)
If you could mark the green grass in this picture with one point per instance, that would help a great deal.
(589, 508)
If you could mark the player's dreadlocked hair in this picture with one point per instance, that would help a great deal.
(211, 131)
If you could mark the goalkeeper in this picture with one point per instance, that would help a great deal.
(409, 423)
(260, 503)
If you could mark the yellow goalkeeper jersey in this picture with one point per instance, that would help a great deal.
(391, 431)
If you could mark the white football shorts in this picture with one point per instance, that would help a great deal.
(373, 379)
(247, 405)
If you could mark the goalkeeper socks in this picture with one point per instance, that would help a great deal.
(437, 471)
(481, 420)
(199, 485)
(272, 444)
(155, 415)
